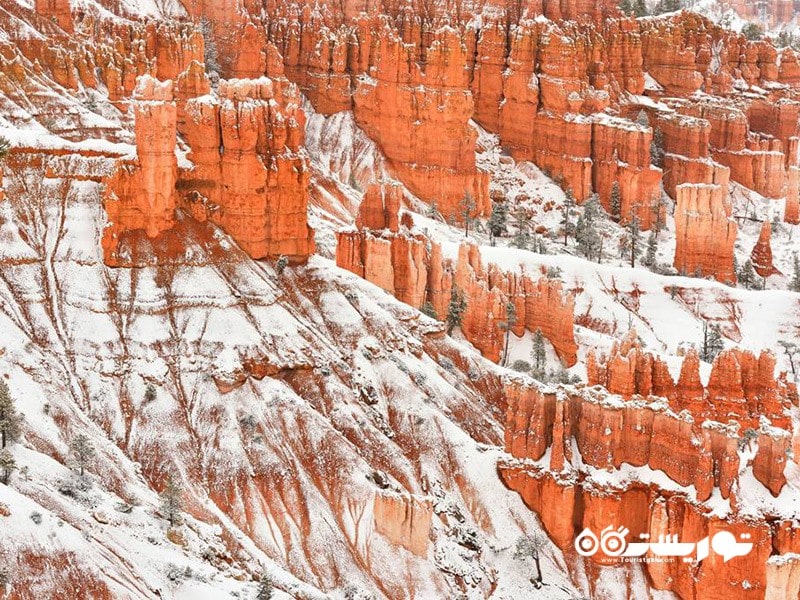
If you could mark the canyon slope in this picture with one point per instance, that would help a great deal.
(299, 261)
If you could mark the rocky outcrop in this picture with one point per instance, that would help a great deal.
(141, 196)
(405, 520)
(705, 233)
(741, 385)
(543, 430)
(761, 256)
(411, 267)
(56, 10)
(420, 119)
(250, 172)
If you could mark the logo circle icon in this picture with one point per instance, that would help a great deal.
(613, 543)
(586, 544)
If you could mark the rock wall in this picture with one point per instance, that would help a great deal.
(411, 267)
(56, 10)
(543, 429)
(141, 194)
(705, 233)
(405, 520)
(420, 119)
(741, 385)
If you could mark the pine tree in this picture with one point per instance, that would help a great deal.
(566, 222)
(531, 547)
(508, 325)
(5, 147)
(665, 6)
(791, 350)
(626, 7)
(538, 356)
(639, 8)
(10, 420)
(466, 210)
(642, 119)
(537, 245)
(429, 310)
(281, 264)
(171, 501)
(455, 311)
(747, 275)
(794, 285)
(616, 201)
(265, 588)
(753, 32)
(712, 342)
(7, 465)
(586, 235)
(632, 241)
(498, 221)
(657, 148)
(658, 214)
(150, 393)
(82, 451)
(522, 238)
(211, 55)
(652, 249)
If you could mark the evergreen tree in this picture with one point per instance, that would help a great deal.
(791, 350)
(150, 393)
(211, 54)
(498, 221)
(171, 501)
(508, 325)
(794, 285)
(428, 310)
(537, 245)
(639, 8)
(667, 6)
(5, 147)
(531, 547)
(712, 342)
(586, 235)
(658, 214)
(7, 465)
(466, 209)
(566, 222)
(747, 275)
(652, 249)
(455, 311)
(82, 451)
(265, 588)
(281, 264)
(10, 420)
(522, 238)
(538, 356)
(616, 201)
(632, 241)
(642, 118)
(753, 32)
(657, 148)
(626, 6)
(433, 211)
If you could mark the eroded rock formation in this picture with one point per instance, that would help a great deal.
(705, 233)
(412, 268)
(543, 430)
(141, 196)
